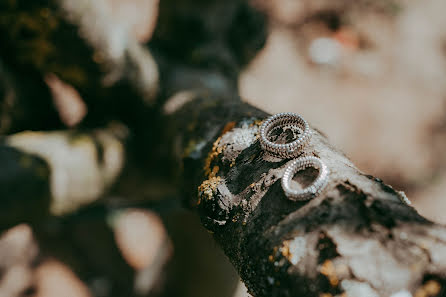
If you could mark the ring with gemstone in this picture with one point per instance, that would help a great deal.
(284, 150)
(312, 190)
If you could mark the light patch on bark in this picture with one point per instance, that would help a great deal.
(438, 254)
(402, 293)
(236, 140)
(77, 176)
(380, 269)
(437, 232)
(178, 100)
(260, 188)
(296, 249)
(113, 46)
(355, 288)
(428, 240)
(342, 169)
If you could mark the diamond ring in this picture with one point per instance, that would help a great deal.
(284, 150)
(315, 188)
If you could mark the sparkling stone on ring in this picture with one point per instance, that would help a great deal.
(312, 190)
(284, 150)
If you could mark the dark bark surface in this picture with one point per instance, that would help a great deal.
(357, 238)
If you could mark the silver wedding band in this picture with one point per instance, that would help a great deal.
(286, 150)
(312, 190)
(292, 150)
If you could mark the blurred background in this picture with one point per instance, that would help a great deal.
(371, 75)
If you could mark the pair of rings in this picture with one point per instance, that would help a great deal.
(293, 150)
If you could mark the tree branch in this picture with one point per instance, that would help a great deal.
(357, 238)
(357, 235)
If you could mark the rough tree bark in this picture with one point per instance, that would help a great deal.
(356, 239)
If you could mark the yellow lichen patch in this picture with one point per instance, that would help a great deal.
(256, 123)
(208, 188)
(229, 126)
(216, 150)
(285, 249)
(329, 270)
(233, 139)
(430, 288)
(214, 171)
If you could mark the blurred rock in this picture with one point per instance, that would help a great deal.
(140, 235)
(138, 16)
(18, 250)
(72, 109)
(17, 247)
(143, 242)
(82, 165)
(54, 279)
(15, 281)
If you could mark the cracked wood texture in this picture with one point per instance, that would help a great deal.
(356, 239)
